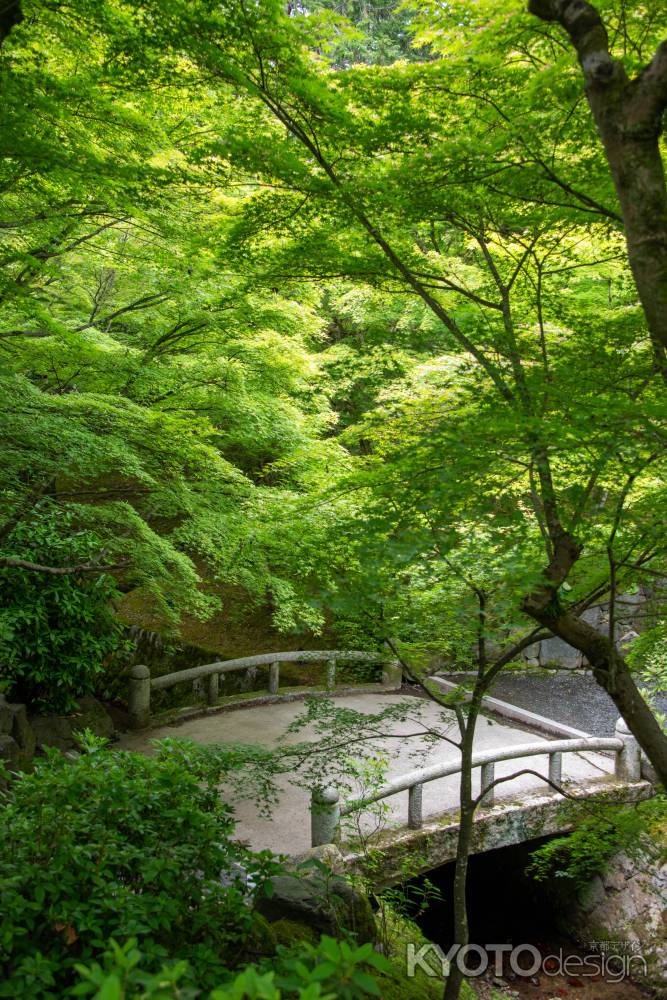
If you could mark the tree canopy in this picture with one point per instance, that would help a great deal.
(340, 304)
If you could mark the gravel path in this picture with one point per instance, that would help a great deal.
(571, 697)
(288, 829)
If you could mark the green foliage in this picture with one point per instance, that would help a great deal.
(285, 310)
(56, 632)
(331, 969)
(148, 390)
(648, 658)
(585, 852)
(378, 31)
(117, 844)
(382, 250)
(337, 968)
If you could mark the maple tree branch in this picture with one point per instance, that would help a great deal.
(90, 567)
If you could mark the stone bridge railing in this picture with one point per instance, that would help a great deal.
(326, 809)
(142, 684)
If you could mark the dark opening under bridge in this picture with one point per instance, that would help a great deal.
(420, 812)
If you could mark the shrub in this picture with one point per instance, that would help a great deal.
(114, 845)
(584, 853)
(332, 970)
(55, 631)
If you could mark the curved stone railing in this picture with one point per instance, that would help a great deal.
(142, 684)
(326, 809)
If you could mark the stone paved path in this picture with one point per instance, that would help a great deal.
(289, 829)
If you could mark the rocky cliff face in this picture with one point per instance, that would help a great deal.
(626, 909)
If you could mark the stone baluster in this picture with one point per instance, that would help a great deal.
(488, 773)
(628, 760)
(274, 678)
(556, 769)
(415, 818)
(213, 688)
(331, 675)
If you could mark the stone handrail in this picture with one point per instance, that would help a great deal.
(326, 809)
(142, 684)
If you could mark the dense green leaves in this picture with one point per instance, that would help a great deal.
(57, 633)
(352, 336)
(117, 844)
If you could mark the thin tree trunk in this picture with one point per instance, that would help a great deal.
(463, 845)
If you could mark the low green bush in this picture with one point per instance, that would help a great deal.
(120, 845)
(578, 856)
(330, 970)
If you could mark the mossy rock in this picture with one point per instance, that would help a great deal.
(328, 904)
(395, 984)
(57, 730)
(291, 932)
(260, 942)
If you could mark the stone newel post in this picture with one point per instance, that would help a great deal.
(139, 698)
(628, 760)
(324, 816)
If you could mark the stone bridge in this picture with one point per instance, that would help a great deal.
(418, 814)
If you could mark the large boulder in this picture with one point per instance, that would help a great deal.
(627, 905)
(6, 717)
(328, 904)
(17, 740)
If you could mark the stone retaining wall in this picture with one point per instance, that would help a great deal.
(22, 736)
(630, 614)
(17, 738)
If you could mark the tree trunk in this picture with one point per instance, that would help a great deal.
(463, 844)
(613, 674)
(629, 119)
(637, 169)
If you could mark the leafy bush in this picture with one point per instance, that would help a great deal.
(332, 970)
(584, 853)
(55, 631)
(118, 845)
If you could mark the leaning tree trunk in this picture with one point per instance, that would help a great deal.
(629, 119)
(609, 667)
(613, 674)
